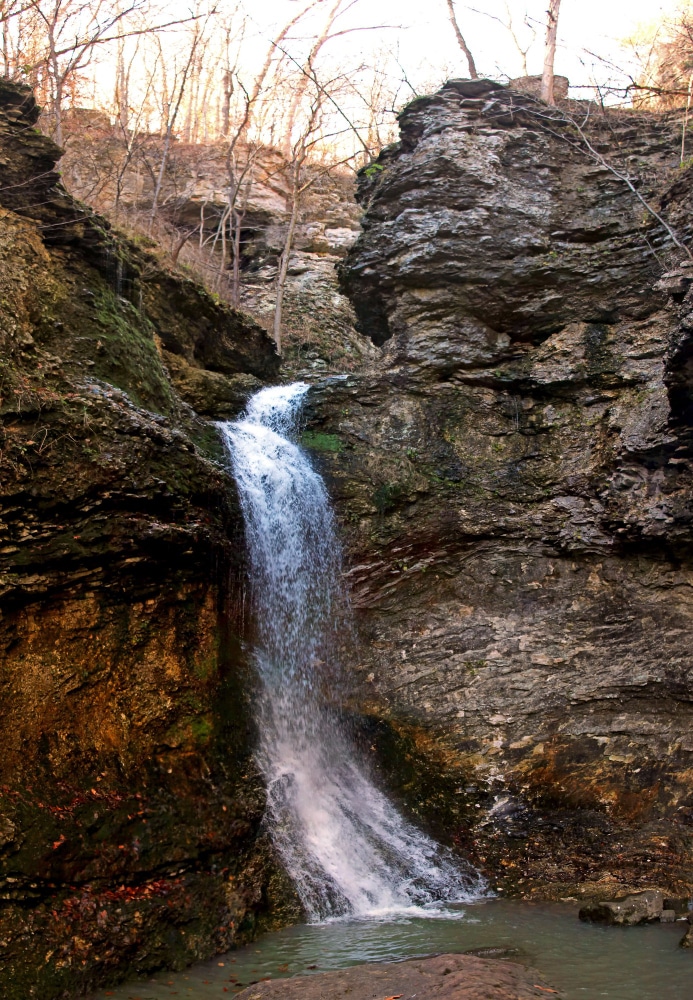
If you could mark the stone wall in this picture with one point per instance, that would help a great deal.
(130, 808)
(514, 487)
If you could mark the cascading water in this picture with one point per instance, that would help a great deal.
(345, 846)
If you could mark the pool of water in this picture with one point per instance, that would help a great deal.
(585, 961)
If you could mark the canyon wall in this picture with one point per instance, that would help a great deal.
(130, 807)
(510, 465)
(514, 486)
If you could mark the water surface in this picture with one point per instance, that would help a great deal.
(585, 961)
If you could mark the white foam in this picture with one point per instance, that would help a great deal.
(346, 847)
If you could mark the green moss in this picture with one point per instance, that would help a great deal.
(125, 354)
(206, 437)
(201, 729)
(472, 667)
(387, 496)
(206, 667)
(321, 442)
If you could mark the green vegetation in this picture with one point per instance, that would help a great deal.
(387, 496)
(125, 353)
(321, 442)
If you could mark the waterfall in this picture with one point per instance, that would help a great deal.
(344, 844)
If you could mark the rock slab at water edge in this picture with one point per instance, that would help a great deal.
(687, 939)
(455, 977)
(641, 908)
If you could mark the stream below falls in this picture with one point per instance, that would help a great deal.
(374, 887)
(584, 961)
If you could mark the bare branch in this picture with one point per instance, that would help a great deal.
(461, 42)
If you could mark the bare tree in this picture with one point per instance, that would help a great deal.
(340, 7)
(73, 29)
(461, 42)
(172, 109)
(303, 174)
(302, 83)
(550, 52)
(241, 175)
(509, 25)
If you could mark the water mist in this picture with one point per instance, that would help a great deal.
(344, 844)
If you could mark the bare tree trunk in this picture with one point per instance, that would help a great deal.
(302, 85)
(57, 83)
(170, 125)
(685, 119)
(179, 244)
(226, 103)
(461, 42)
(122, 81)
(550, 52)
(5, 48)
(284, 266)
(237, 222)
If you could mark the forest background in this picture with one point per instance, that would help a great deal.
(199, 125)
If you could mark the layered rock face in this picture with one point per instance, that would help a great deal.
(129, 806)
(116, 173)
(515, 486)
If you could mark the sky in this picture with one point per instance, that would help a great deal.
(420, 31)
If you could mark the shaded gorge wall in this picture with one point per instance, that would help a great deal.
(130, 807)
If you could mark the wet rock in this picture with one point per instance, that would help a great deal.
(454, 977)
(687, 939)
(130, 808)
(207, 333)
(514, 487)
(498, 951)
(642, 908)
(211, 394)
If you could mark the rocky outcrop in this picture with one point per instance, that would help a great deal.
(515, 487)
(129, 805)
(642, 908)
(687, 939)
(455, 977)
(116, 174)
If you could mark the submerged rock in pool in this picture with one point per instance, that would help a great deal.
(687, 939)
(641, 908)
(499, 951)
(455, 977)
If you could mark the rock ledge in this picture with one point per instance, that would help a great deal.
(455, 977)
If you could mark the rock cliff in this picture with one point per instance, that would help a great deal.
(129, 806)
(513, 481)
(514, 486)
(115, 173)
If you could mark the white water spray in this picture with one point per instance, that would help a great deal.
(347, 849)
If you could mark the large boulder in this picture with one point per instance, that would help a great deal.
(514, 486)
(452, 977)
(641, 908)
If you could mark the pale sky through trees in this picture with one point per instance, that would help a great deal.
(427, 48)
(191, 67)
